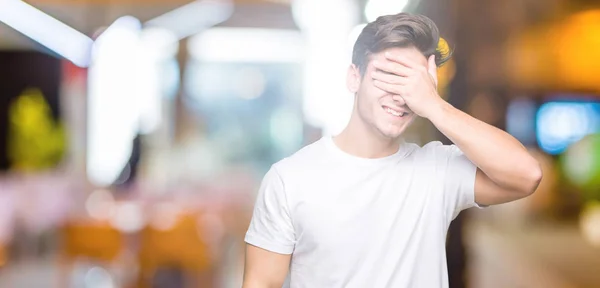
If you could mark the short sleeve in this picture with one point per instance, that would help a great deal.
(459, 181)
(271, 226)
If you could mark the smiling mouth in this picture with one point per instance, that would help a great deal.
(395, 113)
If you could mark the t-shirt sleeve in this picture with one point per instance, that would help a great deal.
(271, 226)
(459, 181)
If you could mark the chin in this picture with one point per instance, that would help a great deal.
(392, 136)
(391, 132)
(395, 130)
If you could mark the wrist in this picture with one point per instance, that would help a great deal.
(438, 111)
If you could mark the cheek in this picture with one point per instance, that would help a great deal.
(371, 93)
(365, 104)
(368, 100)
(368, 85)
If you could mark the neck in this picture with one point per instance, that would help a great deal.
(361, 140)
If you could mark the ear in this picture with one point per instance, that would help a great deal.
(432, 68)
(353, 78)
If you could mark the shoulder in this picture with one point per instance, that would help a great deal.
(434, 150)
(437, 146)
(304, 159)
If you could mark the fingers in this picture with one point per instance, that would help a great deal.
(432, 69)
(404, 61)
(393, 68)
(394, 76)
(389, 88)
(388, 78)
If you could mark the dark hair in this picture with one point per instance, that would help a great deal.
(399, 30)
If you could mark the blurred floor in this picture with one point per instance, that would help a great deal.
(45, 273)
(545, 255)
(30, 274)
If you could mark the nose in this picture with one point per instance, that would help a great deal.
(398, 100)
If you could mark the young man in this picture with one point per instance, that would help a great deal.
(366, 209)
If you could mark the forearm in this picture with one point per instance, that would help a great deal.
(258, 284)
(499, 155)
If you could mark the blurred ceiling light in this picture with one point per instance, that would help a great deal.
(124, 176)
(247, 45)
(194, 17)
(125, 91)
(126, 26)
(51, 33)
(327, 26)
(376, 8)
(113, 116)
(157, 46)
(318, 16)
(159, 43)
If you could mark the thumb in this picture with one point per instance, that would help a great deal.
(433, 69)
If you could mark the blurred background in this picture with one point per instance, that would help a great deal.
(134, 133)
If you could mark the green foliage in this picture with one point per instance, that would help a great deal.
(35, 140)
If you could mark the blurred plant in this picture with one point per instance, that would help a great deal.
(35, 140)
(447, 70)
(581, 165)
(443, 48)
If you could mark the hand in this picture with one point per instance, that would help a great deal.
(409, 82)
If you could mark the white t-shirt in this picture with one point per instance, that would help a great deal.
(356, 222)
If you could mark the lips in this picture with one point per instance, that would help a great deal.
(395, 112)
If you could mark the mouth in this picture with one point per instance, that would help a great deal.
(395, 112)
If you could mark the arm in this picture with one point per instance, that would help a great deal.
(506, 171)
(270, 239)
(264, 269)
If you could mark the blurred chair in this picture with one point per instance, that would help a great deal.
(178, 247)
(97, 242)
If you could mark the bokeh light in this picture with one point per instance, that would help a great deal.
(559, 124)
(100, 204)
(581, 165)
(376, 8)
(590, 223)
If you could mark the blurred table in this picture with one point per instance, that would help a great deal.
(550, 255)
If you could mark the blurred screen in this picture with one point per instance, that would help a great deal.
(252, 110)
(562, 123)
(520, 120)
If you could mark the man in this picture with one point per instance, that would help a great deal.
(366, 209)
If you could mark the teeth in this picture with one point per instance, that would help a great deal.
(395, 113)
